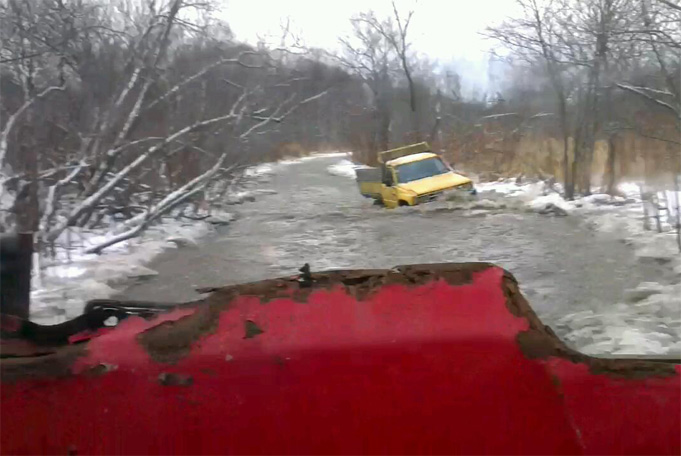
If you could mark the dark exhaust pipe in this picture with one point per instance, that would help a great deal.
(16, 251)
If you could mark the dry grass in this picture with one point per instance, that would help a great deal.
(540, 155)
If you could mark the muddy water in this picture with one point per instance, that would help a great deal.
(321, 219)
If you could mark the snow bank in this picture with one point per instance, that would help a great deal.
(72, 278)
(344, 168)
(605, 212)
(649, 323)
(263, 169)
(552, 203)
(509, 187)
(535, 196)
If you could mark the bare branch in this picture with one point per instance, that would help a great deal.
(168, 200)
(670, 4)
(202, 72)
(125, 146)
(643, 94)
(273, 118)
(11, 121)
(498, 116)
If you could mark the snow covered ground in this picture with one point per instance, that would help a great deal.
(68, 280)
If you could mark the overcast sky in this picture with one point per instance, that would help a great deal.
(446, 30)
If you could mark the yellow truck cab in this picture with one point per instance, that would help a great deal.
(410, 175)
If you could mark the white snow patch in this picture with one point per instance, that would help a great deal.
(182, 242)
(263, 169)
(526, 191)
(550, 202)
(344, 168)
(504, 187)
(628, 188)
(290, 161)
(72, 278)
(67, 271)
(241, 197)
(267, 169)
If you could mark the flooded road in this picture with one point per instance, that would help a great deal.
(321, 219)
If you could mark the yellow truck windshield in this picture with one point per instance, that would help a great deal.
(420, 170)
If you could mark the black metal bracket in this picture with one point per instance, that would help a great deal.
(96, 315)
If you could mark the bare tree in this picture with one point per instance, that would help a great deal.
(534, 36)
(582, 45)
(369, 55)
(153, 107)
(396, 35)
(657, 31)
(401, 45)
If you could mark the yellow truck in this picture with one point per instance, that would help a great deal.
(410, 175)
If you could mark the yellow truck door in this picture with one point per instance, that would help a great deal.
(388, 189)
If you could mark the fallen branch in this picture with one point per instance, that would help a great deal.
(140, 222)
(172, 196)
(142, 226)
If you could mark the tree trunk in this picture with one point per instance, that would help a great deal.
(594, 121)
(576, 163)
(677, 198)
(383, 95)
(587, 148)
(384, 130)
(566, 147)
(26, 206)
(610, 174)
